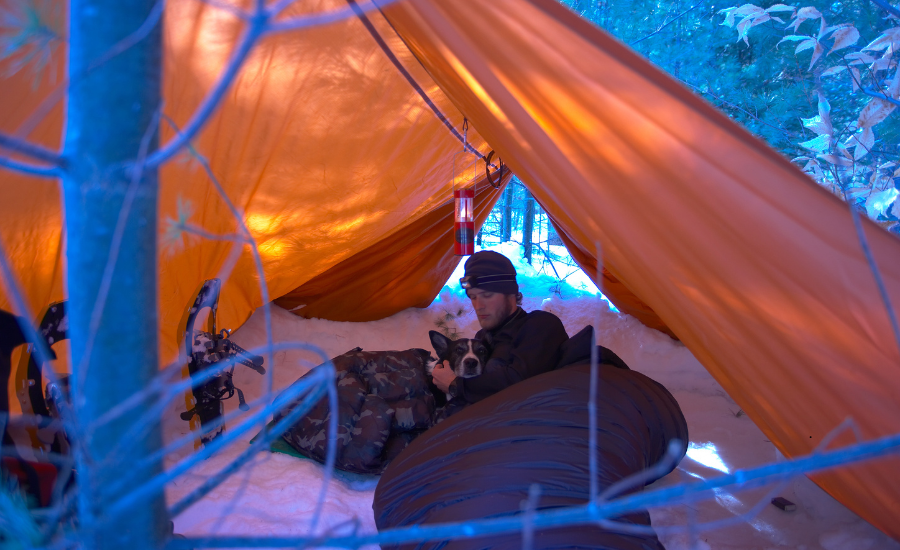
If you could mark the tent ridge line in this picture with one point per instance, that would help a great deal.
(364, 19)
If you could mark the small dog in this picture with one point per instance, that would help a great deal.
(467, 356)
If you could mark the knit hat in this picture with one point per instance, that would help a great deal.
(490, 271)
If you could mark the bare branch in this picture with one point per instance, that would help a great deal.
(233, 10)
(873, 93)
(633, 529)
(209, 105)
(254, 249)
(60, 91)
(534, 493)
(709, 91)
(313, 385)
(326, 17)
(326, 377)
(30, 169)
(14, 292)
(628, 528)
(260, 25)
(876, 273)
(280, 6)
(665, 465)
(36, 152)
(200, 232)
(588, 513)
(887, 7)
(667, 23)
(136, 472)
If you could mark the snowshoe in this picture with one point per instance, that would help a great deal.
(36, 480)
(30, 388)
(212, 350)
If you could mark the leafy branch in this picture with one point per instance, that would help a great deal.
(844, 160)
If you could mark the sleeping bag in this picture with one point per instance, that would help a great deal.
(480, 462)
(384, 402)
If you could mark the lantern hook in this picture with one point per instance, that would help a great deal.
(487, 170)
(465, 133)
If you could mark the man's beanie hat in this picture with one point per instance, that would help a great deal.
(490, 271)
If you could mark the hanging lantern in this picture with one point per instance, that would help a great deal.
(464, 222)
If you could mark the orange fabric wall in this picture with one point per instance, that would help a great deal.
(30, 221)
(320, 142)
(754, 267)
(394, 273)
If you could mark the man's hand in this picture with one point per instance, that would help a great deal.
(443, 376)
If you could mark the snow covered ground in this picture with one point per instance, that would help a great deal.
(276, 494)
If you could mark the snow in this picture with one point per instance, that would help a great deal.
(276, 495)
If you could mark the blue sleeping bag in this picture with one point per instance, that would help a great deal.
(480, 462)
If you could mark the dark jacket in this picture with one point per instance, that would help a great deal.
(525, 345)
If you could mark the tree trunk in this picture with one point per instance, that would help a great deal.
(552, 237)
(506, 222)
(109, 113)
(528, 225)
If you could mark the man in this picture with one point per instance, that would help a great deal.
(522, 344)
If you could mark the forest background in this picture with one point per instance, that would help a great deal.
(817, 81)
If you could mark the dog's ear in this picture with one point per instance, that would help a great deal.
(440, 342)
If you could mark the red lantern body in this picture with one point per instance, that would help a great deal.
(464, 222)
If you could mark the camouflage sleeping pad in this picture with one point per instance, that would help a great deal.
(384, 402)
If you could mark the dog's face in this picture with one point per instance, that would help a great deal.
(467, 356)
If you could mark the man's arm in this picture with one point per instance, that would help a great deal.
(443, 376)
(532, 350)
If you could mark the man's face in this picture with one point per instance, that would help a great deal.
(492, 308)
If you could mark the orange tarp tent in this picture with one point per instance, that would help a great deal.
(336, 145)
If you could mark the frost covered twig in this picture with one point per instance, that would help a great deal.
(876, 274)
(314, 383)
(887, 7)
(847, 424)
(879, 95)
(592, 400)
(254, 250)
(197, 380)
(31, 150)
(588, 513)
(693, 526)
(211, 102)
(30, 169)
(534, 493)
(48, 457)
(330, 452)
(14, 292)
(230, 8)
(326, 18)
(136, 470)
(325, 376)
(261, 22)
(667, 23)
(639, 479)
(59, 92)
